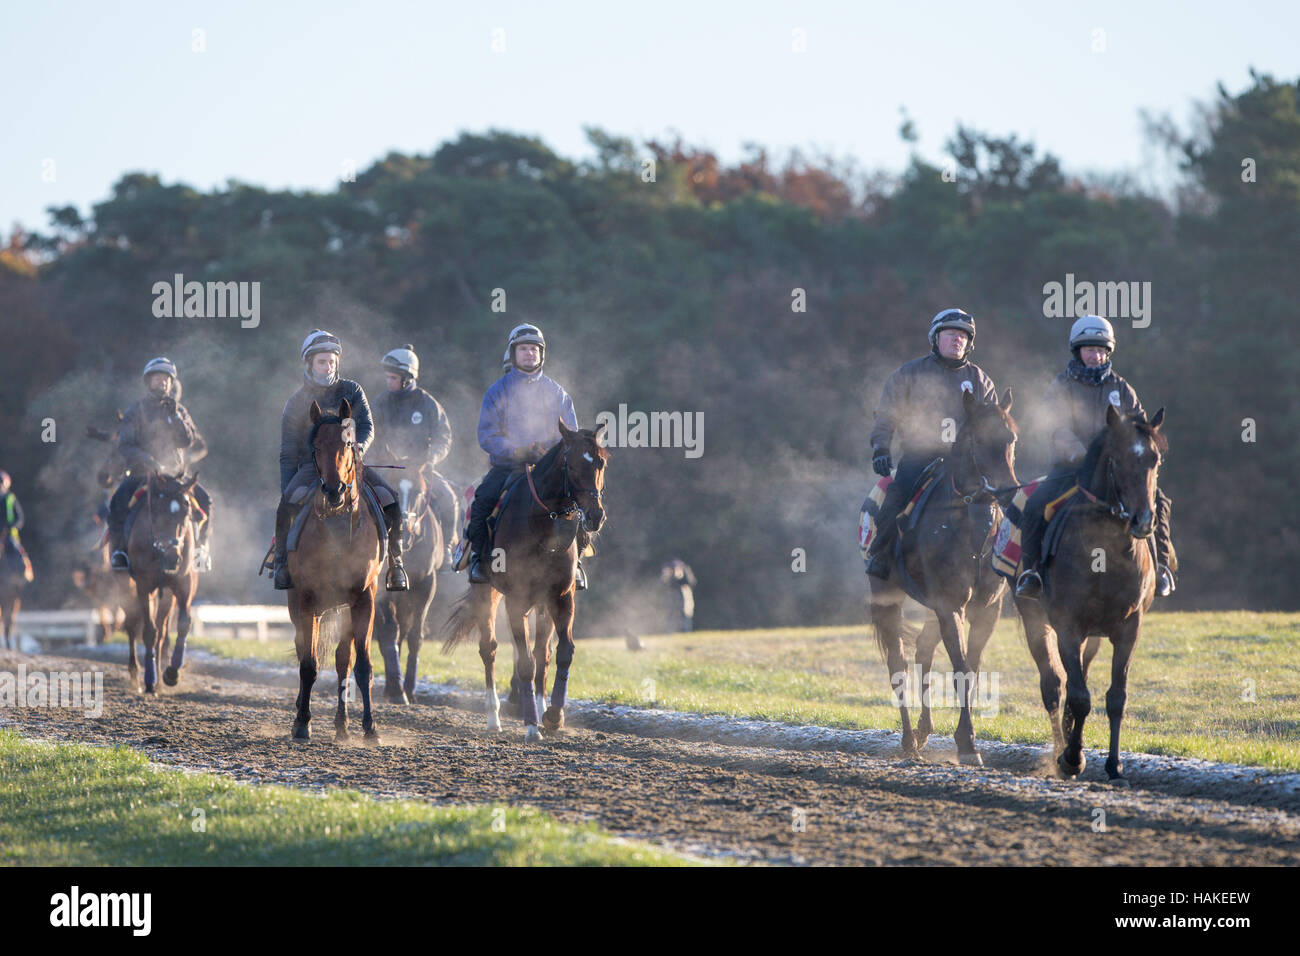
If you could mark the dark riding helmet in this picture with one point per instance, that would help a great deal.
(163, 365)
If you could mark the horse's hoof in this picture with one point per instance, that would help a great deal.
(1066, 769)
(301, 731)
(170, 676)
(1120, 781)
(399, 699)
(150, 690)
(531, 734)
(971, 760)
(341, 736)
(494, 722)
(371, 738)
(553, 720)
(920, 742)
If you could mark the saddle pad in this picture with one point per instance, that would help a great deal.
(870, 510)
(502, 500)
(1006, 547)
(300, 522)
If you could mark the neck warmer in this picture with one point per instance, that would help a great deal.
(1088, 376)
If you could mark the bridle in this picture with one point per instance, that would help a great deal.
(160, 548)
(350, 495)
(1113, 502)
(987, 489)
(569, 494)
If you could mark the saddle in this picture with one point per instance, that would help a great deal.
(300, 521)
(918, 496)
(136, 505)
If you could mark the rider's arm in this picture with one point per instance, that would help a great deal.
(492, 436)
(891, 400)
(439, 433)
(198, 449)
(1065, 444)
(18, 515)
(182, 427)
(291, 434)
(128, 443)
(567, 414)
(365, 424)
(1132, 404)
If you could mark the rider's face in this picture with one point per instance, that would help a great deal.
(952, 343)
(1094, 355)
(527, 355)
(394, 381)
(324, 364)
(160, 383)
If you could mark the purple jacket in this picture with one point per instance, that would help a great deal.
(520, 409)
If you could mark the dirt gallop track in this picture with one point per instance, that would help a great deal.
(749, 803)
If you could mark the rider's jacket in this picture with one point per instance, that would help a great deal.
(11, 513)
(918, 397)
(153, 435)
(295, 422)
(519, 409)
(1076, 412)
(410, 424)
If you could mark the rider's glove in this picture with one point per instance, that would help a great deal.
(882, 464)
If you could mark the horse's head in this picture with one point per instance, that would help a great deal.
(333, 444)
(1132, 449)
(170, 510)
(986, 445)
(584, 464)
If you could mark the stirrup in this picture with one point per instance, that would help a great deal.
(1165, 585)
(281, 579)
(476, 573)
(396, 575)
(580, 578)
(118, 561)
(1029, 584)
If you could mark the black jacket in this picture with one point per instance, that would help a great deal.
(410, 425)
(1077, 412)
(917, 398)
(155, 436)
(295, 422)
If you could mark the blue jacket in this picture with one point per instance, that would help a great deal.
(520, 409)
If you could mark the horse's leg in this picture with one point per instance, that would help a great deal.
(1077, 702)
(162, 617)
(887, 617)
(950, 621)
(149, 636)
(363, 618)
(131, 624)
(184, 595)
(387, 633)
(561, 614)
(1041, 646)
(343, 665)
(306, 630)
(926, 642)
(1123, 639)
(6, 619)
(487, 652)
(516, 614)
(420, 597)
(542, 628)
(982, 620)
(1090, 648)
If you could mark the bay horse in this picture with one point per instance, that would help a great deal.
(335, 566)
(944, 559)
(160, 548)
(534, 564)
(1099, 582)
(401, 615)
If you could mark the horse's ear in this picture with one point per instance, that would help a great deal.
(1006, 400)
(315, 412)
(119, 414)
(599, 433)
(1159, 418)
(1112, 416)
(345, 409)
(566, 432)
(968, 401)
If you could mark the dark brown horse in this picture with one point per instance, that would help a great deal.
(401, 614)
(161, 551)
(533, 564)
(1099, 582)
(335, 566)
(949, 573)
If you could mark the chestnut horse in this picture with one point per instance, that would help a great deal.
(1099, 582)
(335, 565)
(533, 564)
(161, 551)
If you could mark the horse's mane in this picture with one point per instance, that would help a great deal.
(1093, 458)
(547, 461)
(325, 420)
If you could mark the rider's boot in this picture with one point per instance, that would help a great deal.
(396, 573)
(1030, 582)
(117, 559)
(283, 520)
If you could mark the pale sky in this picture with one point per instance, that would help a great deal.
(285, 93)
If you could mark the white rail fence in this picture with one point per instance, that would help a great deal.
(80, 626)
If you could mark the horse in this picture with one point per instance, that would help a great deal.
(401, 614)
(111, 594)
(942, 558)
(160, 548)
(533, 564)
(13, 580)
(1099, 582)
(335, 565)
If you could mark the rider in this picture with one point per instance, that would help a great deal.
(921, 403)
(11, 518)
(157, 435)
(414, 429)
(516, 426)
(321, 354)
(1077, 401)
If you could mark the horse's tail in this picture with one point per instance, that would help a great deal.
(471, 612)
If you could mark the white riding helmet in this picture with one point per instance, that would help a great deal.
(522, 335)
(953, 319)
(318, 340)
(402, 362)
(1092, 330)
(160, 364)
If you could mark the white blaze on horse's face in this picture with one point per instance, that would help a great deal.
(587, 455)
(1138, 448)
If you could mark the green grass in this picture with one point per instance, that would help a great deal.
(69, 804)
(1186, 682)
